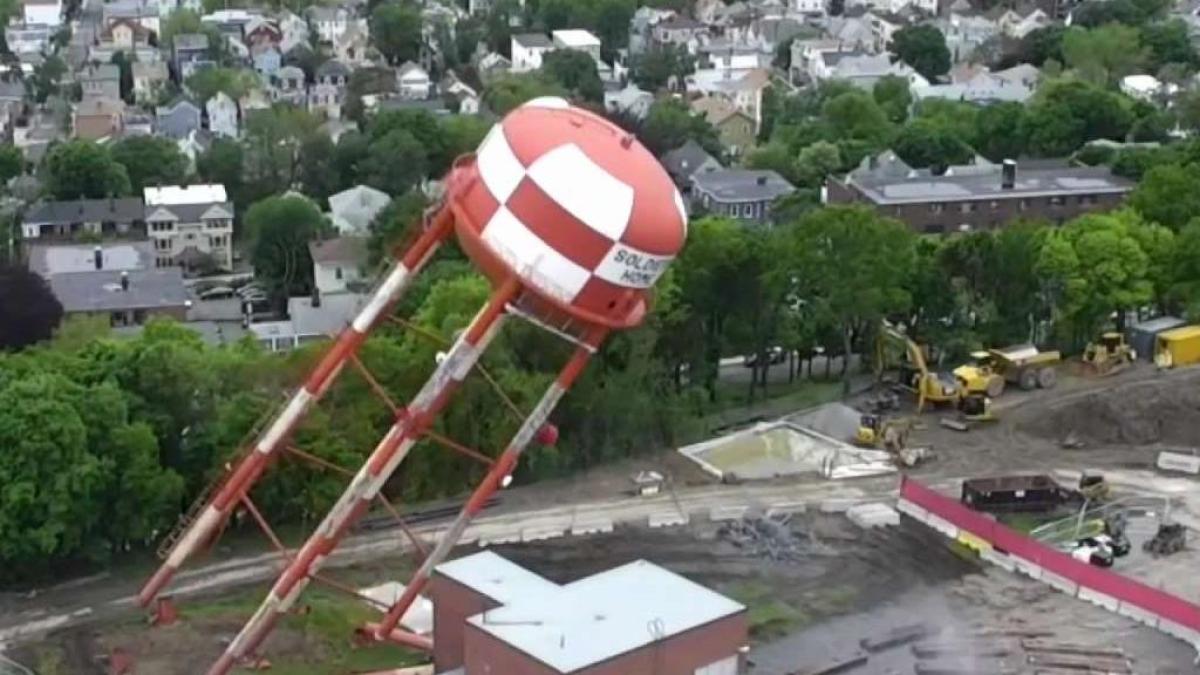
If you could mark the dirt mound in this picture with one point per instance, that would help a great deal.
(1142, 413)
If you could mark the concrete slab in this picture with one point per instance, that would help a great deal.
(541, 533)
(1097, 598)
(1137, 614)
(723, 513)
(1174, 461)
(592, 526)
(784, 508)
(667, 519)
(838, 505)
(872, 515)
(1001, 560)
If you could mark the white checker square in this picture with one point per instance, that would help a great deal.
(533, 258)
(498, 165)
(582, 187)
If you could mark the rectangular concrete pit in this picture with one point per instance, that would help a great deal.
(593, 526)
(722, 513)
(667, 519)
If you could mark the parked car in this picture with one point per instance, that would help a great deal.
(1119, 544)
(775, 355)
(1093, 552)
(217, 293)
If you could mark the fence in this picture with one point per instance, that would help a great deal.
(1002, 546)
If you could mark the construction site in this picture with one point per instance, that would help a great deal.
(1024, 513)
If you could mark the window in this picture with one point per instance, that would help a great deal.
(162, 226)
(933, 228)
(1057, 201)
(936, 207)
(748, 210)
(1023, 205)
(995, 205)
(966, 207)
(162, 244)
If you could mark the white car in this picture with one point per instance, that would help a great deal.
(1093, 552)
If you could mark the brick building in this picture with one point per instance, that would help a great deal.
(493, 616)
(978, 196)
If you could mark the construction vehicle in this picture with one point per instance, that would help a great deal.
(1108, 356)
(874, 431)
(1170, 538)
(1023, 365)
(915, 374)
(1177, 347)
(1093, 486)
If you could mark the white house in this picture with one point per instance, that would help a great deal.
(412, 81)
(351, 211)
(45, 12)
(630, 101)
(527, 50)
(293, 31)
(1146, 87)
(222, 115)
(467, 97)
(148, 80)
(808, 6)
(187, 222)
(329, 22)
(577, 39)
(338, 263)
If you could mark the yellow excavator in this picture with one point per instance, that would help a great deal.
(915, 374)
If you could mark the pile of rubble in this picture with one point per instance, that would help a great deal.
(770, 537)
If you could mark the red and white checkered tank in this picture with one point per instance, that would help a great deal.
(574, 206)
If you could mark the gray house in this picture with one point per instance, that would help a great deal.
(101, 81)
(739, 193)
(177, 120)
(687, 160)
(92, 217)
(188, 52)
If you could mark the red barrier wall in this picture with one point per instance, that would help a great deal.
(1160, 603)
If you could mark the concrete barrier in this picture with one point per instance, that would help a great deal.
(1001, 560)
(786, 508)
(1138, 614)
(838, 505)
(1097, 598)
(1175, 461)
(722, 513)
(1180, 631)
(541, 533)
(1027, 568)
(1059, 582)
(868, 516)
(592, 526)
(667, 519)
(912, 510)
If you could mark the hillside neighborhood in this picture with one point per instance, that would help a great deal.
(202, 199)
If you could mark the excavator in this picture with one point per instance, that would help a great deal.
(915, 375)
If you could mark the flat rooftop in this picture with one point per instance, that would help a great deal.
(173, 195)
(100, 291)
(497, 577)
(51, 259)
(576, 37)
(575, 626)
(986, 184)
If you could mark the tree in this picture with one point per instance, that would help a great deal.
(925, 144)
(396, 31)
(1064, 114)
(82, 169)
(319, 176)
(395, 163)
(853, 266)
(395, 222)
(1043, 44)
(30, 310)
(149, 161)
(1167, 42)
(924, 48)
(46, 77)
(892, 94)
(503, 94)
(279, 230)
(1000, 131)
(669, 124)
(222, 163)
(179, 22)
(1184, 276)
(271, 148)
(1103, 55)
(125, 66)
(233, 82)
(654, 68)
(12, 163)
(855, 115)
(459, 134)
(364, 81)
(576, 72)
(816, 162)
(1167, 195)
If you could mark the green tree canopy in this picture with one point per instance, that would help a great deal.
(576, 72)
(926, 144)
(30, 310)
(1167, 195)
(82, 169)
(669, 124)
(279, 230)
(892, 94)
(233, 82)
(150, 161)
(396, 31)
(12, 163)
(502, 94)
(924, 48)
(653, 69)
(1103, 55)
(1001, 130)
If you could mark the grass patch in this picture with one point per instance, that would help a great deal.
(768, 616)
(50, 661)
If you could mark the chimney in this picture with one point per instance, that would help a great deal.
(124, 280)
(761, 180)
(1008, 174)
(98, 257)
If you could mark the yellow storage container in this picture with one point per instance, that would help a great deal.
(1178, 347)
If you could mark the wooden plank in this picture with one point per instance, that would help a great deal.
(901, 635)
(1035, 645)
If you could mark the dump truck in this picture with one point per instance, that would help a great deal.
(1177, 347)
(1004, 494)
(1023, 365)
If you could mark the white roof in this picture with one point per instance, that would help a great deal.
(605, 615)
(576, 37)
(173, 195)
(496, 577)
(353, 210)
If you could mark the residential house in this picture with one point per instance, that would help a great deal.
(31, 38)
(809, 8)
(735, 128)
(329, 91)
(984, 88)
(144, 13)
(338, 264)
(862, 70)
(855, 33)
(97, 118)
(578, 40)
(260, 32)
(189, 51)
(148, 80)
(679, 31)
(743, 194)
(293, 30)
(1024, 74)
(979, 196)
(287, 86)
(412, 81)
(351, 211)
(527, 51)
(686, 161)
(745, 90)
(66, 220)
(232, 22)
(177, 120)
(492, 65)
(191, 225)
(730, 59)
(462, 93)
(135, 122)
(42, 12)
(310, 319)
(630, 101)
(1017, 23)
(329, 21)
(966, 33)
(641, 28)
(124, 35)
(101, 81)
(222, 115)
(1147, 88)
(352, 46)
(35, 137)
(266, 60)
(126, 297)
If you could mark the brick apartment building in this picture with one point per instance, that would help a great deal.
(491, 616)
(978, 196)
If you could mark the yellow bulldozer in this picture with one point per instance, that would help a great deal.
(1108, 355)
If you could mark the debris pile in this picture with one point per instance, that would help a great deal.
(768, 537)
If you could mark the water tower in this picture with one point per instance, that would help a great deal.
(572, 221)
